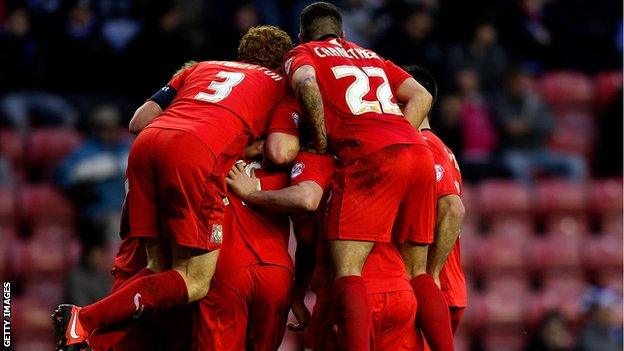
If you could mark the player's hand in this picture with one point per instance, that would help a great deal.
(254, 149)
(301, 313)
(240, 182)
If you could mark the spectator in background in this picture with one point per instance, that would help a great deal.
(482, 53)
(526, 125)
(21, 75)
(448, 122)
(600, 332)
(158, 50)
(358, 22)
(553, 333)
(90, 280)
(94, 173)
(410, 40)
(479, 134)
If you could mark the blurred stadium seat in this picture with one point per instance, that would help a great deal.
(44, 203)
(557, 250)
(7, 207)
(562, 290)
(47, 146)
(12, 146)
(607, 86)
(603, 251)
(566, 90)
(504, 339)
(502, 198)
(506, 296)
(558, 196)
(606, 196)
(574, 134)
(504, 250)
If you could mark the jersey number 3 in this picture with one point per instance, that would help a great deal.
(223, 88)
(361, 86)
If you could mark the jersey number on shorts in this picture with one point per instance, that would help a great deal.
(223, 88)
(361, 86)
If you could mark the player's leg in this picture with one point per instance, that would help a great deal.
(320, 332)
(415, 229)
(222, 316)
(353, 315)
(268, 311)
(456, 315)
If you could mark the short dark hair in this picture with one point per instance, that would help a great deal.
(424, 78)
(318, 19)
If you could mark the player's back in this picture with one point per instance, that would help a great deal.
(252, 234)
(358, 89)
(218, 99)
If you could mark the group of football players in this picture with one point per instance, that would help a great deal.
(327, 136)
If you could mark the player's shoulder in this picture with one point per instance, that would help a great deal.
(243, 67)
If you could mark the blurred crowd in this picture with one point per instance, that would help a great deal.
(84, 65)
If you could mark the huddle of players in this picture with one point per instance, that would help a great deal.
(364, 219)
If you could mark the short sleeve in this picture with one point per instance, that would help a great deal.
(446, 184)
(285, 118)
(314, 167)
(396, 75)
(179, 78)
(297, 57)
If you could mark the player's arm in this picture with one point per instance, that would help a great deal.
(143, 116)
(302, 197)
(281, 148)
(305, 86)
(450, 215)
(416, 101)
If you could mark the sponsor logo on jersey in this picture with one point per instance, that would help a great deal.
(216, 237)
(439, 172)
(295, 117)
(296, 170)
(287, 65)
(138, 306)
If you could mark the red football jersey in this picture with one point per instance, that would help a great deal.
(219, 100)
(384, 270)
(285, 117)
(254, 235)
(358, 89)
(449, 181)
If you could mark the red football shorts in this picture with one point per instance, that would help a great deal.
(396, 182)
(175, 189)
(246, 309)
(394, 318)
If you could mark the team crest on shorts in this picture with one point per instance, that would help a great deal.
(217, 234)
(296, 170)
(439, 172)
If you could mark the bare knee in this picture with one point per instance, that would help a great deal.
(196, 268)
(157, 253)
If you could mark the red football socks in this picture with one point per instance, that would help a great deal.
(432, 317)
(353, 314)
(146, 294)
